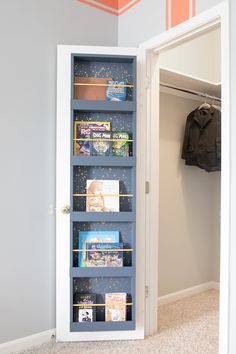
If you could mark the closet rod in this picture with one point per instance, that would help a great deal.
(196, 93)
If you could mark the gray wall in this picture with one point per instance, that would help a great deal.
(205, 264)
(189, 207)
(147, 19)
(29, 33)
(141, 22)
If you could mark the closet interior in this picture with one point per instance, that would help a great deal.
(189, 204)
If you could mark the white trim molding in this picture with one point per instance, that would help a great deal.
(206, 21)
(178, 295)
(27, 342)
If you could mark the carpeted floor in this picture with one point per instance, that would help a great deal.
(188, 326)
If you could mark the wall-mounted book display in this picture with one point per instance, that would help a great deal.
(103, 193)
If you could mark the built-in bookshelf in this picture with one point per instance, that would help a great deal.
(92, 78)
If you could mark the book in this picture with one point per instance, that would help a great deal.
(83, 130)
(101, 146)
(116, 93)
(115, 306)
(86, 313)
(100, 256)
(102, 196)
(94, 237)
(120, 147)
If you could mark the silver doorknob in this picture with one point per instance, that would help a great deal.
(65, 209)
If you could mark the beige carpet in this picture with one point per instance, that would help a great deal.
(188, 326)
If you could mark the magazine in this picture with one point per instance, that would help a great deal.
(86, 313)
(116, 93)
(100, 256)
(101, 146)
(94, 237)
(83, 130)
(115, 306)
(102, 196)
(120, 147)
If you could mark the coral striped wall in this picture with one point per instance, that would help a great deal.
(152, 17)
(114, 7)
(143, 19)
(178, 11)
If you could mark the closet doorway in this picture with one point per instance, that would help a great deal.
(187, 208)
(190, 188)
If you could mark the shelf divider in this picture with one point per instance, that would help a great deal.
(102, 326)
(122, 216)
(101, 106)
(103, 161)
(91, 272)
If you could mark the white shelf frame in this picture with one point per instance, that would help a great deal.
(63, 309)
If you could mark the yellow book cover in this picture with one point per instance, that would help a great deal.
(115, 306)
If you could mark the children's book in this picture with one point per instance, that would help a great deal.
(101, 143)
(94, 237)
(117, 90)
(104, 255)
(115, 306)
(120, 147)
(86, 313)
(102, 196)
(83, 130)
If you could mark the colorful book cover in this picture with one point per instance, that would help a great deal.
(116, 93)
(101, 145)
(102, 196)
(86, 313)
(83, 130)
(115, 306)
(120, 147)
(104, 255)
(94, 237)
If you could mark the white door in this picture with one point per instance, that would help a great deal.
(114, 211)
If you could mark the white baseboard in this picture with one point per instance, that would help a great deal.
(166, 299)
(215, 285)
(26, 342)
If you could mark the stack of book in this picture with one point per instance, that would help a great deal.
(100, 249)
(115, 307)
(97, 139)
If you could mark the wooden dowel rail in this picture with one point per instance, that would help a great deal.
(105, 250)
(102, 195)
(104, 305)
(112, 140)
(102, 85)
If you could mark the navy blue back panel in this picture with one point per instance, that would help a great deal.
(122, 116)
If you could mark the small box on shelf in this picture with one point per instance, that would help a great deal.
(90, 88)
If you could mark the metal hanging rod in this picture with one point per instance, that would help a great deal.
(196, 93)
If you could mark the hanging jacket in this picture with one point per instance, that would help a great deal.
(202, 139)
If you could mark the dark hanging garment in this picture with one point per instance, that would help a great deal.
(202, 139)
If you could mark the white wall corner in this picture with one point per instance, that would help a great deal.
(178, 295)
(27, 342)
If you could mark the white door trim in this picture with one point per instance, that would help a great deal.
(207, 20)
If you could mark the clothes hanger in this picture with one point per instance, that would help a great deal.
(205, 105)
